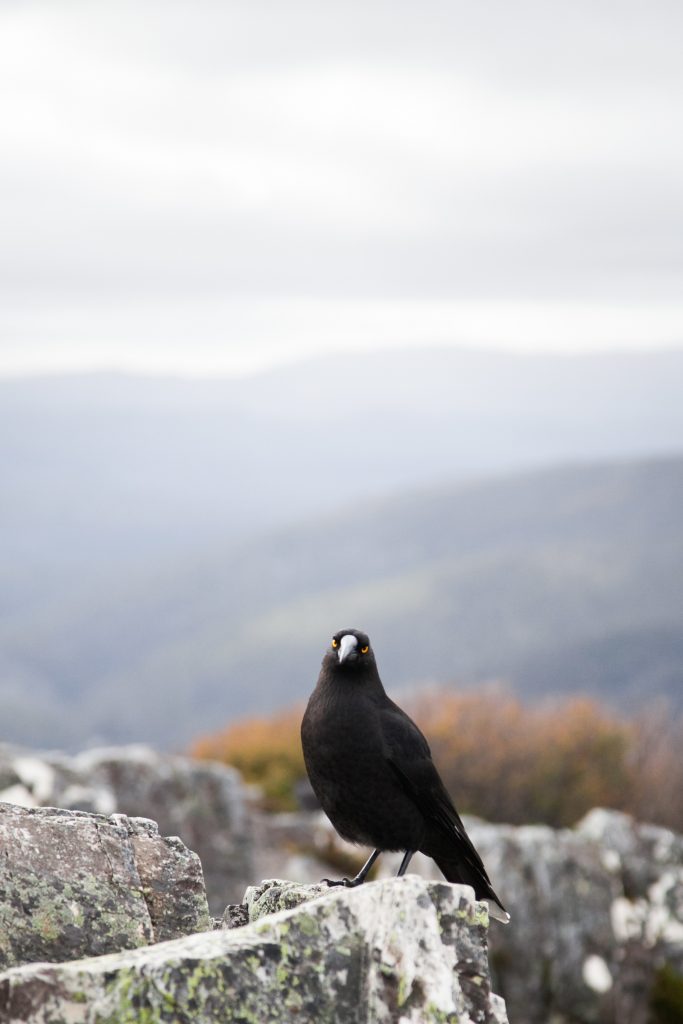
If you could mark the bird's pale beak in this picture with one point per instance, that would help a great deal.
(347, 648)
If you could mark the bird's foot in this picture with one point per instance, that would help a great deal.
(348, 883)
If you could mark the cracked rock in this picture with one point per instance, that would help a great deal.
(401, 950)
(74, 884)
(202, 802)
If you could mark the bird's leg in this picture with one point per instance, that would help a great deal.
(350, 883)
(405, 862)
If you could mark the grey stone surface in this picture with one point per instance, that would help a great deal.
(559, 895)
(235, 915)
(647, 916)
(276, 894)
(402, 950)
(597, 911)
(74, 884)
(202, 802)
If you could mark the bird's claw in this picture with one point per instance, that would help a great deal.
(342, 881)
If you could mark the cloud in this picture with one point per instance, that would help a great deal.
(226, 156)
(241, 335)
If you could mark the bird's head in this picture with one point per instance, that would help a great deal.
(350, 650)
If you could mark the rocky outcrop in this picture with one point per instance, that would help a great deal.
(399, 950)
(600, 908)
(557, 959)
(597, 912)
(75, 884)
(597, 919)
(202, 802)
(647, 916)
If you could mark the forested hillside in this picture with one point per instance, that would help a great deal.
(568, 579)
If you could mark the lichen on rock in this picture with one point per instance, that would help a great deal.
(74, 884)
(398, 950)
(202, 802)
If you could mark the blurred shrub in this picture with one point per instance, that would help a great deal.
(508, 762)
(267, 751)
(500, 759)
(655, 761)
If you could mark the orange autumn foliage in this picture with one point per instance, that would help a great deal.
(508, 762)
(500, 759)
(267, 751)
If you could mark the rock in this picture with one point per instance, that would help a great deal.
(597, 911)
(235, 915)
(74, 884)
(304, 847)
(399, 950)
(640, 852)
(275, 894)
(202, 802)
(647, 916)
(558, 957)
(270, 897)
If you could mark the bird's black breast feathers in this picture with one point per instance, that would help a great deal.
(347, 759)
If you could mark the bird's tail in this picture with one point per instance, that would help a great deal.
(468, 872)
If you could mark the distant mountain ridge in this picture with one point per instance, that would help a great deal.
(105, 472)
(557, 580)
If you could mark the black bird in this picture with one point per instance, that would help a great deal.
(372, 771)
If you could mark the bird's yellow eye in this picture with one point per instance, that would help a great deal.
(334, 643)
(364, 650)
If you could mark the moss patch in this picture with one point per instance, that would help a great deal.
(666, 1000)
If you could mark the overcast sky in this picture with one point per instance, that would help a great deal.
(213, 186)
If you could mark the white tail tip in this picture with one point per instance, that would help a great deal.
(497, 913)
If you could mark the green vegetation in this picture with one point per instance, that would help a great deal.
(667, 997)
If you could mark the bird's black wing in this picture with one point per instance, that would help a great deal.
(408, 753)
